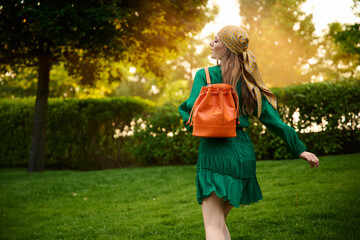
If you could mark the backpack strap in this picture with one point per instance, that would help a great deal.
(208, 81)
(191, 113)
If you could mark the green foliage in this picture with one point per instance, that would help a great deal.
(84, 32)
(189, 60)
(328, 102)
(23, 83)
(281, 37)
(162, 28)
(18, 85)
(175, 92)
(80, 132)
(115, 80)
(332, 105)
(29, 28)
(339, 50)
(161, 139)
(344, 57)
(92, 45)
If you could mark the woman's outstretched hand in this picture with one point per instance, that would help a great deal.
(310, 158)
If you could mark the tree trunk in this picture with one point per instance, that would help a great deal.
(37, 151)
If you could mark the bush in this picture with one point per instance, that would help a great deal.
(316, 103)
(123, 131)
(161, 139)
(80, 133)
(333, 106)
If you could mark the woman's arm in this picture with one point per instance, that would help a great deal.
(271, 119)
(185, 107)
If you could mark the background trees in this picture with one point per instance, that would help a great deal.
(281, 37)
(34, 33)
(116, 47)
(288, 52)
(339, 52)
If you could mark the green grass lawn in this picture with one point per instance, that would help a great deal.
(160, 203)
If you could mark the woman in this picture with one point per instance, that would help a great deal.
(226, 167)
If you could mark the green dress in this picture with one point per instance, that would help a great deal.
(228, 165)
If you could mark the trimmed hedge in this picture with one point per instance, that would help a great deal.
(161, 139)
(117, 132)
(335, 102)
(79, 132)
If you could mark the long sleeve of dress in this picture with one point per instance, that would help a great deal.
(271, 119)
(185, 107)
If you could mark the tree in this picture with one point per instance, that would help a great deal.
(281, 37)
(39, 34)
(189, 59)
(343, 60)
(339, 51)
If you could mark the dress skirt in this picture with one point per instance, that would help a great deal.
(228, 167)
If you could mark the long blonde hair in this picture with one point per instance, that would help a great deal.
(231, 69)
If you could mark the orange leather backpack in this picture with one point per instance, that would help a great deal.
(215, 111)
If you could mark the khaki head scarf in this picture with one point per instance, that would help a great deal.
(236, 40)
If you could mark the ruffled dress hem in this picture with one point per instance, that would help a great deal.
(235, 190)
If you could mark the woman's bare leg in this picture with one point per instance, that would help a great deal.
(214, 217)
(227, 208)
